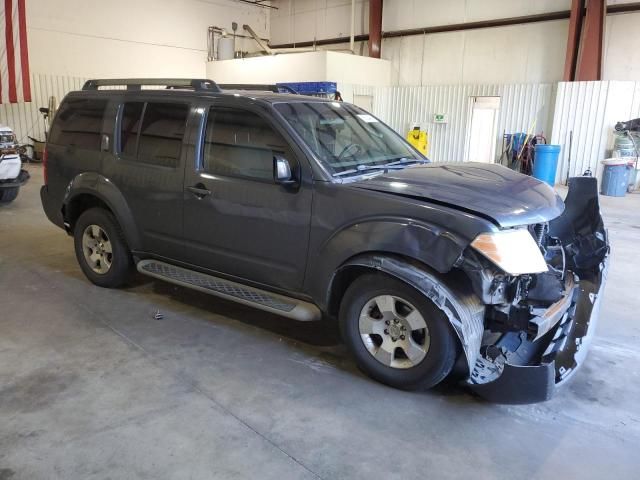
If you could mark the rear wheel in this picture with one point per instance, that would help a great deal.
(396, 334)
(8, 195)
(101, 249)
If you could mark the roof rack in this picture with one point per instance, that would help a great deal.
(199, 85)
(257, 87)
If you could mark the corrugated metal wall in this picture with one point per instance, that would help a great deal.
(24, 118)
(590, 110)
(523, 108)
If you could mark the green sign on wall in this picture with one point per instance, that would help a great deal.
(439, 118)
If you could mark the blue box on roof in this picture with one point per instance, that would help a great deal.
(311, 88)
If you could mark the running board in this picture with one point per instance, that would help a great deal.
(236, 292)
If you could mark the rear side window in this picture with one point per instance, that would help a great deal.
(240, 143)
(153, 133)
(79, 123)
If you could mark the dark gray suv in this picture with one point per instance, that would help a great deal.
(308, 208)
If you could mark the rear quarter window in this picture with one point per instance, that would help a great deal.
(79, 123)
(161, 133)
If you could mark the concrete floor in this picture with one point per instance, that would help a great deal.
(92, 386)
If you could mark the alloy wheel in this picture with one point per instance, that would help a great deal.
(97, 249)
(394, 331)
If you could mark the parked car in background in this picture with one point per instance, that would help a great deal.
(12, 176)
(307, 208)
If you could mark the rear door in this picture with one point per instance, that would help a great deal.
(148, 168)
(242, 223)
(73, 145)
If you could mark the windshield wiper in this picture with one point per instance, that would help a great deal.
(365, 168)
(406, 161)
(398, 164)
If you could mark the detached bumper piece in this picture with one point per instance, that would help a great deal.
(536, 363)
(22, 178)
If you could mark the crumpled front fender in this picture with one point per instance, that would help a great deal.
(462, 307)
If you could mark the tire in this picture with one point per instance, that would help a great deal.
(101, 249)
(432, 350)
(8, 195)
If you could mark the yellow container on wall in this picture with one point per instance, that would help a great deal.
(419, 139)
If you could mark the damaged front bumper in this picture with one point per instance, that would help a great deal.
(527, 367)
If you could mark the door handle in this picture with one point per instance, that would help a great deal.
(199, 190)
(104, 142)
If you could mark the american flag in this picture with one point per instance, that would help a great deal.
(14, 57)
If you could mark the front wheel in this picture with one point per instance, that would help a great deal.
(396, 334)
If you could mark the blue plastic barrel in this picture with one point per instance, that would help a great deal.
(615, 177)
(545, 163)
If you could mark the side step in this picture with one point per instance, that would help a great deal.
(236, 292)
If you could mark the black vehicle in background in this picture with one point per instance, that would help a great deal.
(307, 207)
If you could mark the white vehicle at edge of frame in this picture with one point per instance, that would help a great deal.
(12, 177)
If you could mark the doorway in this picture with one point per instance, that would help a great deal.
(482, 135)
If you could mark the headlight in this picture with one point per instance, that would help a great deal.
(514, 251)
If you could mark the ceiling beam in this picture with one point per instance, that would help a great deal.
(589, 66)
(375, 28)
(573, 39)
(500, 22)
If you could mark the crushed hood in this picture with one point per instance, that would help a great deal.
(492, 191)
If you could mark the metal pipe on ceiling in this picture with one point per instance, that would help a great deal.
(257, 39)
(623, 8)
(264, 47)
(352, 42)
(258, 3)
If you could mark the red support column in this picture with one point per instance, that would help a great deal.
(375, 28)
(573, 40)
(589, 66)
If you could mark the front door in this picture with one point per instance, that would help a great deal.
(237, 220)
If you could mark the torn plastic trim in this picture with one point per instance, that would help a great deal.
(527, 370)
(546, 320)
(461, 305)
(502, 381)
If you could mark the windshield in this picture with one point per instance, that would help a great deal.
(346, 138)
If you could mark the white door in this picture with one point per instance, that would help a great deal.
(482, 135)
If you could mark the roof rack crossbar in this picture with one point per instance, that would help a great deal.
(137, 83)
(266, 87)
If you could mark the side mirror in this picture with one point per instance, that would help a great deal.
(282, 174)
